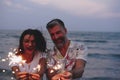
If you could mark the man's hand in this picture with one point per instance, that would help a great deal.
(66, 75)
(63, 76)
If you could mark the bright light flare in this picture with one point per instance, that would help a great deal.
(15, 59)
(51, 71)
(37, 68)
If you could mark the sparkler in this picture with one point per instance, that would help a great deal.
(12, 78)
(3, 60)
(3, 70)
(55, 65)
(15, 59)
(37, 69)
(59, 66)
(51, 71)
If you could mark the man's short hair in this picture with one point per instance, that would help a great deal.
(55, 22)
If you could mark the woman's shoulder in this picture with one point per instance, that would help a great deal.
(40, 55)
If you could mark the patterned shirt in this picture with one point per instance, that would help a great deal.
(75, 51)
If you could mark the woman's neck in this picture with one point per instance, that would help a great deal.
(28, 57)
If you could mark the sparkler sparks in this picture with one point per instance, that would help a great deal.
(15, 59)
(12, 78)
(3, 70)
(13, 72)
(59, 67)
(51, 71)
(3, 60)
(37, 68)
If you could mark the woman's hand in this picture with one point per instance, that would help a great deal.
(22, 76)
(34, 76)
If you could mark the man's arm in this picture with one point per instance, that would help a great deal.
(78, 69)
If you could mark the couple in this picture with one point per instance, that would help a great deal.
(32, 48)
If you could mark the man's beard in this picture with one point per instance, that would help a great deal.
(59, 42)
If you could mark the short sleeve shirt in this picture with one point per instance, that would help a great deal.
(75, 51)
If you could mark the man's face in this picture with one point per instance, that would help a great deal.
(58, 35)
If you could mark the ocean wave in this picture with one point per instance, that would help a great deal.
(92, 41)
(1, 52)
(100, 78)
(105, 56)
(13, 36)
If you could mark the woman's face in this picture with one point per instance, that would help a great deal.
(29, 43)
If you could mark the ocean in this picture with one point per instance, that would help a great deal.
(103, 53)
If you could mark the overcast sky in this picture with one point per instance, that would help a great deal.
(78, 15)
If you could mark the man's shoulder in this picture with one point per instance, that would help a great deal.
(77, 44)
(80, 49)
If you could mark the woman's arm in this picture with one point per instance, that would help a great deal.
(39, 74)
(42, 63)
(78, 69)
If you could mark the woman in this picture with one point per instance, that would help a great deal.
(32, 46)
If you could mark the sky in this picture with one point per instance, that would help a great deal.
(78, 15)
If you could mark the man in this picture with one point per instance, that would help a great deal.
(72, 53)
